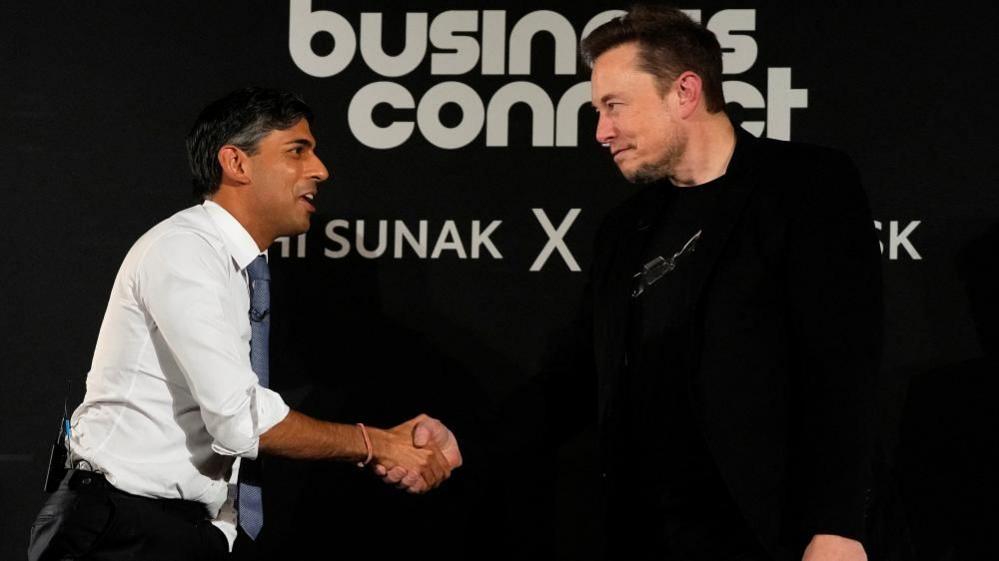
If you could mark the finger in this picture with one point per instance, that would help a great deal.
(421, 435)
(448, 444)
(411, 478)
(380, 470)
(420, 486)
(431, 471)
(451, 451)
(445, 464)
(438, 468)
(439, 433)
(396, 474)
(412, 482)
(411, 424)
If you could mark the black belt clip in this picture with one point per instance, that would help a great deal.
(79, 478)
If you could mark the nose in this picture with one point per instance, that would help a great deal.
(605, 129)
(319, 173)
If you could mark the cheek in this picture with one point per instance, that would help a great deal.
(281, 183)
(638, 128)
(654, 133)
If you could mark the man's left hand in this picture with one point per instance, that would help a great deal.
(828, 547)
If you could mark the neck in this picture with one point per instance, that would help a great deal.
(709, 148)
(241, 211)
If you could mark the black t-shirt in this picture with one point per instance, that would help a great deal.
(678, 488)
(660, 341)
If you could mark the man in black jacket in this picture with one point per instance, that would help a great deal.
(732, 320)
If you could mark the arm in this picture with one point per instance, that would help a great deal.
(184, 286)
(835, 311)
(187, 288)
(302, 437)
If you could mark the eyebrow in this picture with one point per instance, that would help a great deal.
(302, 142)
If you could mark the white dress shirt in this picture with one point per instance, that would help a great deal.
(171, 398)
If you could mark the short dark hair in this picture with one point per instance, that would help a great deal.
(241, 118)
(670, 44)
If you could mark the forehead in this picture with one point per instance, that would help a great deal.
(617, 70)
(620, 57)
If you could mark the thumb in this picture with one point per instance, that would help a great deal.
(421, 435)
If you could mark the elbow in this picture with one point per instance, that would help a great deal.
(236, 445)
(233, 434)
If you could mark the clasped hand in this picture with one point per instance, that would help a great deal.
(417, 455)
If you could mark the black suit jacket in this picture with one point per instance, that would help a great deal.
(787, 321)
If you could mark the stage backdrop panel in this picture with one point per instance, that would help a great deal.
(454, 234)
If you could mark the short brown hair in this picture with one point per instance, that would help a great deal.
(670, 44)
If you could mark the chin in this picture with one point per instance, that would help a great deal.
(628, 173)
(647, 174)
(637, 172)
(635, 176)
(298, 228)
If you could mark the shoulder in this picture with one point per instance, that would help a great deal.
(802, 157)
(188, 236)
(813, 180)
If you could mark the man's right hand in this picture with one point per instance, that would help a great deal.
(427, 432)
(425, 467)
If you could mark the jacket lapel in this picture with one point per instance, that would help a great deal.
(740, 183)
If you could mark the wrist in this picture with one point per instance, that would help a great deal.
(379, 443)
(368, 449)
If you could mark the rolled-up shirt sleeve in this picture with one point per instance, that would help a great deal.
(193, 305)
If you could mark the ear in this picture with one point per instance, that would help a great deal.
(236, 165)
(688, 92)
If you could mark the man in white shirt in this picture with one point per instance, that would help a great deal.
(174, 409)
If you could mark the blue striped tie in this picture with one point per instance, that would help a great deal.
(250, 500)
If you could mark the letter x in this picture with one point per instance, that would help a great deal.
(555, 239)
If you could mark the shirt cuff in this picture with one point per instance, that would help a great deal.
(270, 410)
(240, 434)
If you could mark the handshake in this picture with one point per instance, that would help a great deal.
(417, 455)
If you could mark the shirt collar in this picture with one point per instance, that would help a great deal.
(237, 240)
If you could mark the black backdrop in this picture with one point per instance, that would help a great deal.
(97, 97)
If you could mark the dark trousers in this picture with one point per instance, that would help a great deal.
(641, 523)
(88, 519)
(247, 549)
(637, 538)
